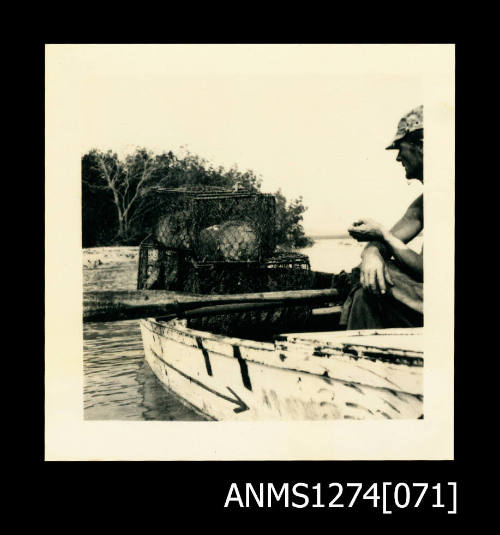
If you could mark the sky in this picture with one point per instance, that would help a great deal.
(311, 120)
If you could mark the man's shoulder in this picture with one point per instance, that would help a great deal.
(418, 202)
(416, 208)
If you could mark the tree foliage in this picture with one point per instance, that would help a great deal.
(118, 194)
(289, 216)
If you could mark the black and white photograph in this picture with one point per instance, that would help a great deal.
(235, 234)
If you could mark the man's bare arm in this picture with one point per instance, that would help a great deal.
(405, 229)
(412, 260)
(374, 274)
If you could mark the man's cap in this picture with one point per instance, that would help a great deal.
(413, 120)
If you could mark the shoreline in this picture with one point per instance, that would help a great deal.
(97, 257)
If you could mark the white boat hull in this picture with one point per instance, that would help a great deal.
(317, 376)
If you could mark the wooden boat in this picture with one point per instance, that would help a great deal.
(296, 376)
(324, 373)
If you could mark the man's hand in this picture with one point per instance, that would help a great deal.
(374, 275)
(366, 230)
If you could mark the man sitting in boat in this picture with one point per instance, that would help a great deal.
(390, 290)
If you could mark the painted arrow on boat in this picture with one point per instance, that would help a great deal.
(241, 406)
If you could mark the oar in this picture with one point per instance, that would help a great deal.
(124, 305)
(228, 309)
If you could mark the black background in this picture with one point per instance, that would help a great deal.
(118, 495)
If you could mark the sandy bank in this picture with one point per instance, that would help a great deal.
(96, 257)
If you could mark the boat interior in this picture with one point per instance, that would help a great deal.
(268, 326)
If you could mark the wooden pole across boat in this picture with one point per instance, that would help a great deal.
(126, 305)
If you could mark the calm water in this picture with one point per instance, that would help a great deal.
(119, 385)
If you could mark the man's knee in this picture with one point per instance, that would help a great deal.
(365, 310)
(364, 297)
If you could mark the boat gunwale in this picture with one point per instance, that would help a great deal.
(194, 333)
(340, 349)
(324, 370)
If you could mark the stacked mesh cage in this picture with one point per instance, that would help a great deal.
(214, 241)
(217, 224)
(284, 271)
(161, 268)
